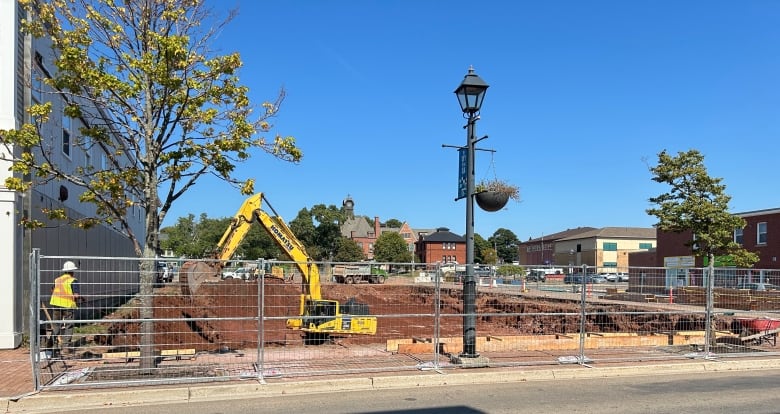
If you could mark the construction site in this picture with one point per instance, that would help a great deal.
(221, 317)
(239, 329)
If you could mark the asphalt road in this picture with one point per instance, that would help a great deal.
(753, 392)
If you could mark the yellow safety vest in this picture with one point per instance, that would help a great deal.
(62, 295)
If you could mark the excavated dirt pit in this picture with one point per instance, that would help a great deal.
(220, 317)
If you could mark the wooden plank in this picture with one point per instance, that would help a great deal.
(759, 335)
(125, 355)
(177, 352)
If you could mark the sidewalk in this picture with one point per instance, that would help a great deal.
(15, 372)
(56, 401)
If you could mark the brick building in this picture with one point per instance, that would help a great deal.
(441, 246)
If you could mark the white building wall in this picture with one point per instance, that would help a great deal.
(11, 293)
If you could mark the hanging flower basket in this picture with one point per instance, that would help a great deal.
(494, 194)
(491, 200)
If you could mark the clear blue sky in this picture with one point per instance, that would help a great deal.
(583, 96)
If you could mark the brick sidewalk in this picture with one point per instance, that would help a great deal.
(15, 372)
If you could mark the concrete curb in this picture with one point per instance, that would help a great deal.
(78, 400)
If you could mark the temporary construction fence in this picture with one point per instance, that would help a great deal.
(247, 321)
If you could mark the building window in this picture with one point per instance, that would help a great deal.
(609, 247)
(738, 236)
(645, 246)
(66, 126)
(87, 154)
(761, 233)
(610, 264)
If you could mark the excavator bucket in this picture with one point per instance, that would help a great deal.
(193, 274)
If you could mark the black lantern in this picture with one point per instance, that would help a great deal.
(471, 92)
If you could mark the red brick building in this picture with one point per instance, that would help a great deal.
(441, 246)
(761, 235)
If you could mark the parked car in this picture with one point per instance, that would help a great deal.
(757, 286)
(575, 278)
(164, 274)
(536, 275)
(616, 277)
(243, 273)
(597, 279)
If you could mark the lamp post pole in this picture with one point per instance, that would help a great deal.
(470, 94)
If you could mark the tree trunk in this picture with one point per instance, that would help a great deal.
(709, 327)
(148, 359)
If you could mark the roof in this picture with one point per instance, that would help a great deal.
(568, 233)
(754, 213)
(443, 234)
(356, 227)
(616, 233)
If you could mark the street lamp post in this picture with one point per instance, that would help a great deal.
(470, 94)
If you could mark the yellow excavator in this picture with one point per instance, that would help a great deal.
(319, 317)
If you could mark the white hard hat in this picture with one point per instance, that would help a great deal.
(69, 266)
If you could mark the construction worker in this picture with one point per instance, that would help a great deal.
(65, 297)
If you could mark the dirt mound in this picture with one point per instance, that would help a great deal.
(221, 317)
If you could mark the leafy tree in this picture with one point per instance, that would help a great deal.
(171, 111)
(697, 204)
(505, 242)
(510, 270)
(394, 223)
(488, 256)
(347, 250)
(199, 239)
(391, 247)
(480, 246)
(180, 237)
(326, 240)
(258, 244)
(303, 228)
(328, 214)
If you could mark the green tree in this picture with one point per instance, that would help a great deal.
(394, 223)
(326, 240)
(488, 256)
(697, 204)
(347, 250)
(505, 242)
(328, 214)
(303, 227)
(480, 247)
(171, 111)
(199, 239)
(391, 247)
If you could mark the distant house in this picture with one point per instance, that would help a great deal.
(359, 230)
(365, 233)
(605, 249)
(441, 246)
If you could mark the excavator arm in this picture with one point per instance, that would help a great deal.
(292, 247)
(318, 317)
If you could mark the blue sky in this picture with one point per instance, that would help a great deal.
(583, 96)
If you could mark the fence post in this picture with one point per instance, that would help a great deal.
(35, 316)
(260, 281)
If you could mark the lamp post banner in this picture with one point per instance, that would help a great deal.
(463, 167)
